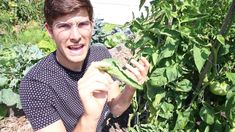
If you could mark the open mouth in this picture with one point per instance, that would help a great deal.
(76, 49)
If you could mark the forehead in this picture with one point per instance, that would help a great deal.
(79, 15)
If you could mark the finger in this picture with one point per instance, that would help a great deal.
(88, 76)
(140, 67)
(108, 77)
(130, 73)
(93, 82)
(145, 62)
(95, 66)
(134, 71)
(99, 64)
(99, 76)
(100, 95)
(98, 87)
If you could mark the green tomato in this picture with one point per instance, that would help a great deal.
(217, 88)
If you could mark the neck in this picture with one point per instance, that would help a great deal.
(68, 64)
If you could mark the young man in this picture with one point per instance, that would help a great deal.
(65, 91)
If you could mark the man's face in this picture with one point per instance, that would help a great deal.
(72, 34)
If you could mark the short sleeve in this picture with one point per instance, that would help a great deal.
(37, 102)
(100, 52)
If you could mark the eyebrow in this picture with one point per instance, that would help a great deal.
(60, 22)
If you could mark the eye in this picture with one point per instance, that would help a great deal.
(63, 26)
(85, 24)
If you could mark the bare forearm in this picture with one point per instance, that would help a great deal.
(120, 104)
(86, 124)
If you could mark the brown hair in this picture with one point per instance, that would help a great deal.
(54, 9)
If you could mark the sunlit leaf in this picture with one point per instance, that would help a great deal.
(3, 80)
(155, 58)
(231, 76)
(182, 119)
(166, 110)
(207, 114)
(200, 55)
(172, 73)
(158, 97)
(230, 109)
(184, 86)
(169, 48)
(8, 97)
(221, 39)
(158, 78)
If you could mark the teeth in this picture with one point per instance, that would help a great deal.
(75, 47)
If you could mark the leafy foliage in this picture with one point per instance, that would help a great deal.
(99, 36)
(188, 47)
(16, 61)
(19, 37)
(109, 34)
(15, 13)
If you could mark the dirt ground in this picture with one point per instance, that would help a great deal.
(21, 124)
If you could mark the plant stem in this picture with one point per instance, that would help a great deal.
(211, 59)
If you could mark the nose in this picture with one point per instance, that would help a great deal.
(75, 35)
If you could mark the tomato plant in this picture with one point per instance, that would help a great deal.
(190, 45)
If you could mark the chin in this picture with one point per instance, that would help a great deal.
(78, 59)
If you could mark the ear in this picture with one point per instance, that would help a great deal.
(49, 29)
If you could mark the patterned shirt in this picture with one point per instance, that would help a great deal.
(49, 91)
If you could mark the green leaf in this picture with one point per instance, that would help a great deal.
(13, 83)
(47, 45)
(115, 71)
(221, 39)
(230, 109)
(200, 56)
(157, 77)
(207, 114)
(190, 19)
(137, 25)
(155, 58)
(218, 126)
(141, 3)
(3, 80)
(166, 110)
(231, 92)
(182, 119)
(231, 76)
(169, 48)
(172, 73)
(184, 86)
(8, 97)
(158, 97)
(152, 91)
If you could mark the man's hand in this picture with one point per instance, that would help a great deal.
(139, 70)
(119, 103)
(93, 89)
